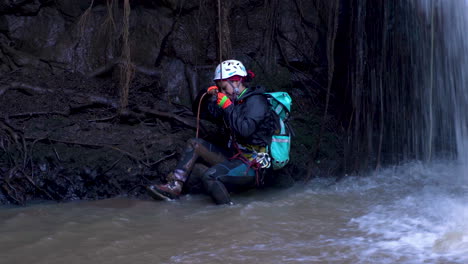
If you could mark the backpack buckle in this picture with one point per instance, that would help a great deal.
(263, 159)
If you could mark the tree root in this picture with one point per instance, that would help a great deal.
(13, 196)
(190, 122)
(90, 100)
(27, 88)
(39, 188)
(110, 67)
(34, 114)
(162, 159)
(126, 153)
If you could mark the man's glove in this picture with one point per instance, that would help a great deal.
(212, 90)
(223, 101)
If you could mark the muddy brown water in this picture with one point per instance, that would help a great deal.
(408, 214)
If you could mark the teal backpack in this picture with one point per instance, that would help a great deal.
(280, 103)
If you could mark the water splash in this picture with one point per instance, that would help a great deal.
(408, 81)
(426, 221)
(448, 76)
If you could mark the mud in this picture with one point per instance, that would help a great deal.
(61, 145)
(63, 138)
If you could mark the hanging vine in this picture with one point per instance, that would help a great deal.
(331, 37)
(83, 21)
(128, 69)
(270, 34)
(224, 33)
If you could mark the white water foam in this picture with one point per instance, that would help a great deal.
(422, 217)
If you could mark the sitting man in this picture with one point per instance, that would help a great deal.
(246, 114)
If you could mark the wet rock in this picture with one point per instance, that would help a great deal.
(101, 151)
(23, 7)
(72, 8)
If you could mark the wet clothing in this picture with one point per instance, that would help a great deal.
(250, 123)
(224, 176)
(249, 120)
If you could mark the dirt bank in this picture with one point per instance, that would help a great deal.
(63, 138)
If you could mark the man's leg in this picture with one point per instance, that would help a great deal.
(226, 177)
(175, 180)
(194, 184)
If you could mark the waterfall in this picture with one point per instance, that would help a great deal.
(454, 70)
(408, 80)
(447, 79)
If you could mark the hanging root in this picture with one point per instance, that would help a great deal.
(272, 17)
(128, 69)
(108, 26)
(83, 22)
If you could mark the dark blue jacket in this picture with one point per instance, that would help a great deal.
(249, 118)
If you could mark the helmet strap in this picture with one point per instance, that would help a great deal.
(235, 88)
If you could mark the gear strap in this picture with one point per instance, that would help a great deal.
(254, 164)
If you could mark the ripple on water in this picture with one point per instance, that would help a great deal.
(404, 214)
(427, 223)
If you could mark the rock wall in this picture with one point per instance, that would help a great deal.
(60, 73)
(177, 38)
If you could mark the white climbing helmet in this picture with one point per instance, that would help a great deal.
(229, 68)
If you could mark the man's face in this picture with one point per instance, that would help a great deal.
(228, 88)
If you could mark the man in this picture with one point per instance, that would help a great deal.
(245, 112)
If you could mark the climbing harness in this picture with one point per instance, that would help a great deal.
(257, 163)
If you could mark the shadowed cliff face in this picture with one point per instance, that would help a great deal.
(64, 135)
(357, 72)
(174, 37)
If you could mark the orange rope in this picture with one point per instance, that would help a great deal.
(198, 114)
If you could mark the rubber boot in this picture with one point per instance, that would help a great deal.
(175, 181)
(168, 191)
(216, 188)
(171, 190)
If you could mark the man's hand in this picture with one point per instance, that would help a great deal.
(212, 90)
(223, 101)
